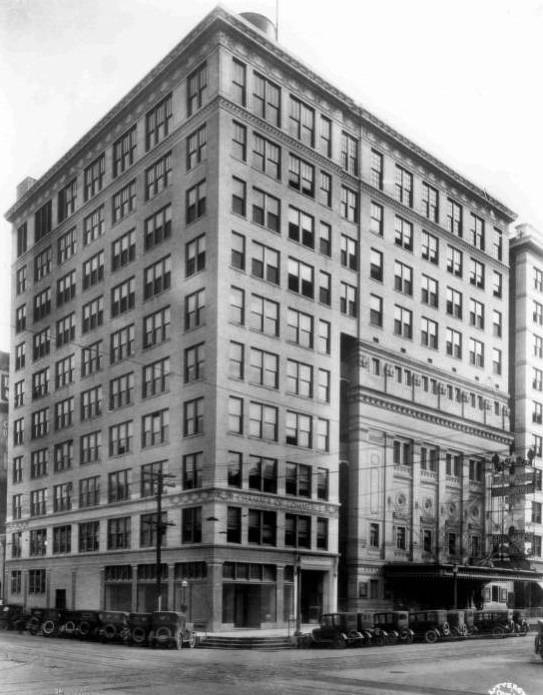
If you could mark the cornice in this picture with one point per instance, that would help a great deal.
(427, 415)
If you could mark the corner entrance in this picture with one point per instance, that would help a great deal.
(249, 605)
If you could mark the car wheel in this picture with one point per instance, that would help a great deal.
(431, 636)
(49, 628)
(498, 631)
(138, 635)
(109, 632)
(69, 627)
(406, 636)
(33, 626)
(191, 641)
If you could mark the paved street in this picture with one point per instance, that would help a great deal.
(32, 665)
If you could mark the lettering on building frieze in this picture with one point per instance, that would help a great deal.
(298, 505)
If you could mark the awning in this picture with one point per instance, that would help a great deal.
(402, 570)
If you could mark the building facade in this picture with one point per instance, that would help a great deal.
(244, 288)
(4, 406)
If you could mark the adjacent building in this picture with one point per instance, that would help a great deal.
(242, 290)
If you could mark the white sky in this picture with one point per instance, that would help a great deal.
(462, 79)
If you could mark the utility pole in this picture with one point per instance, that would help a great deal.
(160, 526)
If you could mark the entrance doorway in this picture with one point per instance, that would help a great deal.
(60, 599)
(249, 605)
(311, 595)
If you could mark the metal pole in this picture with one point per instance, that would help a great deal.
(298, 587)
(159, 542)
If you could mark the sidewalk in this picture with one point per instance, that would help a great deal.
(262, 632)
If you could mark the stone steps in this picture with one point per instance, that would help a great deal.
(249, 642)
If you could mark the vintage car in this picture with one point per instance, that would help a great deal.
(373, 634)
(87, 624)
(430, 625)
(396, 625)
(51, 620)
(171, 629)
(13, 617)
(498, 623)
(538, 646)
(113, 626)
(35, 620)
(338, 630)
(520, 622)
(469, 619)
(457, 623)
(139, 626)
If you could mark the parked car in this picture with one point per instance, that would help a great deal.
(457, 623)
(13, 617)
(113, 626)
(373, 634)
(396, 624)
(35, 620)
(498, 623)
(538, 646)
(430, 625)
(469, 619)
(87, 624)
(171, 629)
(520, 620)
(51, 620)
(139, 626)
(338, 630)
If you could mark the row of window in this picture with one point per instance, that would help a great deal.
(253, 473)
(428, 540)
(315, 131)
(261, 528)
(429, 458)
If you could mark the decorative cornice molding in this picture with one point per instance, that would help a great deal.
(427, 415)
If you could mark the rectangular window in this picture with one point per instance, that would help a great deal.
(64, 413)
(403, 322)
(239, 82)
(195, 255)
(66, 246)
(121, 438)
(301, 176)
(121, 391)
(123, 297)
(476, 353)
(454, 261)
(297, 531)
(429, 291)
(235, 415)
(193, 417)
(376, 170)
(65, 330)
(41, 346)
(191, 525)
(118, 533)
(264, 368)
(476, 314)
(301, 278)
(158, 176)
(38, 543)
(193, 468)
(158, 227)
(93, 270)
(21, 280)
(39, 463)
(497, 284)
(40, 423)
(93, 314)
(124, 202)
(403, 278)
(20, 318)
(264, 316)
(263, 421)
(195, 202)
(299, 429)
(38, 502)
(429, 333)
(122, 344)
(93, 226)
(376, 310)
(349, 153)
(43, 221)
(64, 373)
(67, 198)
(66, 288)
(195, 305)
(430, 202)
(239, 141)
(158, 122)
(265, 210)
(42, 304)
(124, 150)
(325, 136)
(403, 233)
(298, 480)
(325, 239)
(236, 360)
(454, 343)
(300, 328)
(62, 497)
(155, 379)
(266, 156)
(63, 456)
(262, 527)
(157, 277)
(376, 219)
(404, 186)
(89, 537)
(265, 263)
(197, 147)
(454, 303)
(43, 264)
(22, 239)
(239, 196)
(349, 252)
(497, 244)
(477, 273)
(454, 217)
(301, 227)
(430, 248)
(93, 177)
(349, 204)
(150, 477)
(36, 581)
(301, 124)
(477, 232)
(155, 428)
(348, 299)
(156, 327)
(267, 100)
(196, 88)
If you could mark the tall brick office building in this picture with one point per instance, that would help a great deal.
(243, 280)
